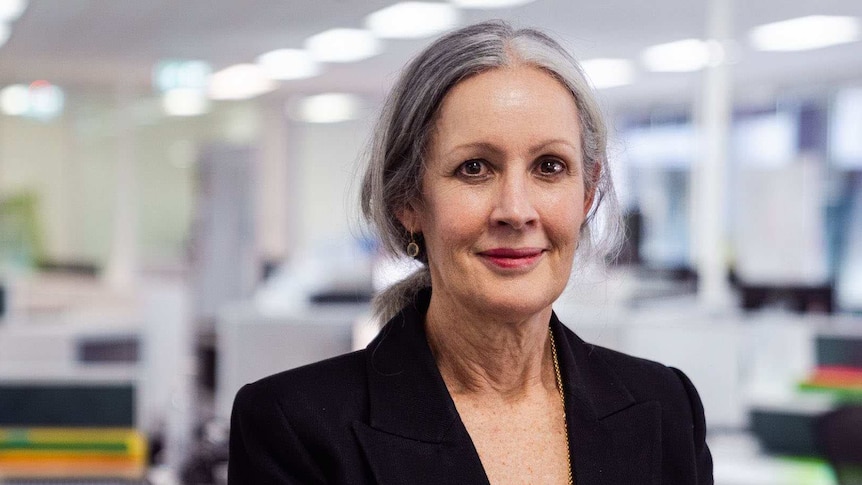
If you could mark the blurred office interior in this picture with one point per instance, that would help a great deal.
(178, 216)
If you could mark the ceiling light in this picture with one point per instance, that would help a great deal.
(488, 4)
(10, 10)
(184, 102)
(343, 45)
(45, 99)
(15, 100)
(240, 81)
(328, 108)
(180, 74)
(412, 20)
(805, 33)
(285, 64)
(608, 73)
(40, 100)
(680, 56)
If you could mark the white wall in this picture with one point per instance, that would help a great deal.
(70, 165)
(326, 178)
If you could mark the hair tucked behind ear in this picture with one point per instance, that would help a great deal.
(395, 163)
(391, 300)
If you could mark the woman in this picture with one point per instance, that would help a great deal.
(487, 166)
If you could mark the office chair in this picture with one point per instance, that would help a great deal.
(839, 435)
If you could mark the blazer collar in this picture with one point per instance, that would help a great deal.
(407, 394)
(613, 438)
(414, 425)
(591, 386)
(414, 434)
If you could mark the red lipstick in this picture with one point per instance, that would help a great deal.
(512, 258)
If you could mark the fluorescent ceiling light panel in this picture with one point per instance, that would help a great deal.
(185, 102)
(680, 56)
(10, 10)
(343, 45)
(489, 4)
(179, 74)
(287, 64)
(46, 100)
(608, 73)
(328, 108)
(15, 100)
(408, 20)
(805, 33)
(240, 81)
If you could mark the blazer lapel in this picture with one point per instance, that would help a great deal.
(613, 438)
(414, 434)
(396, 459)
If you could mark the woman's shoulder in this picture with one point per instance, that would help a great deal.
(682, 415)
(627, 365)
(287, 427)
(337, 382)
(645, 379)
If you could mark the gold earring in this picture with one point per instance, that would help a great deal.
(412, 247)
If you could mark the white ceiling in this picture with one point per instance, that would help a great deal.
(99, 44)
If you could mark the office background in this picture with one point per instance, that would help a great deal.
(178, 216)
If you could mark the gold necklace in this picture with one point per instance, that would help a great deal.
(562, 401)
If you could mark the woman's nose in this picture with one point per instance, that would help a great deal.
(513, 205)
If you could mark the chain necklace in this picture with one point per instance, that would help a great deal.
(562, 401)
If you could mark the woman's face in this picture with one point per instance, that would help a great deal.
(503, 195)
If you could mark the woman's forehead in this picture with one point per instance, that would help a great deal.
(506, 104)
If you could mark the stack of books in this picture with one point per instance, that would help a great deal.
(845, 382)
(70, 431)
(839, 368)
(72, 452)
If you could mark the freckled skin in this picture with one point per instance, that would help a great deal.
(504, 170)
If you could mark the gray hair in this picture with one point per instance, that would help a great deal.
(393, 178)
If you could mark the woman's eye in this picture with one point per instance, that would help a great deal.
(472, 168)
(551, 167)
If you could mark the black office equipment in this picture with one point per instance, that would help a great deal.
(67, 405)
(839, 436)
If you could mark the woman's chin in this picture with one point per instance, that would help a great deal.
(515, 306)
(492, 296)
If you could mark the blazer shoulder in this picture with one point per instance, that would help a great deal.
(642, 376)
(684, 423)
(648, 380)
(331, 380)
(286, 427)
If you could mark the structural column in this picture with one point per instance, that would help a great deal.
(271, 184)
(122, 269)
(710, 181)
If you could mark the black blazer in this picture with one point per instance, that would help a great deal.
(384, 415)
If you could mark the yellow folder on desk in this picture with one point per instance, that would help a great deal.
(72, 452)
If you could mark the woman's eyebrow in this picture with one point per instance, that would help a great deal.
(495, 150)
(556, 141)
(479, 145)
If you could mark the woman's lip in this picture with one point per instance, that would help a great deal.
(513, 253)
(519, 259)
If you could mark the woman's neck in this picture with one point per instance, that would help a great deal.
(492, 357)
